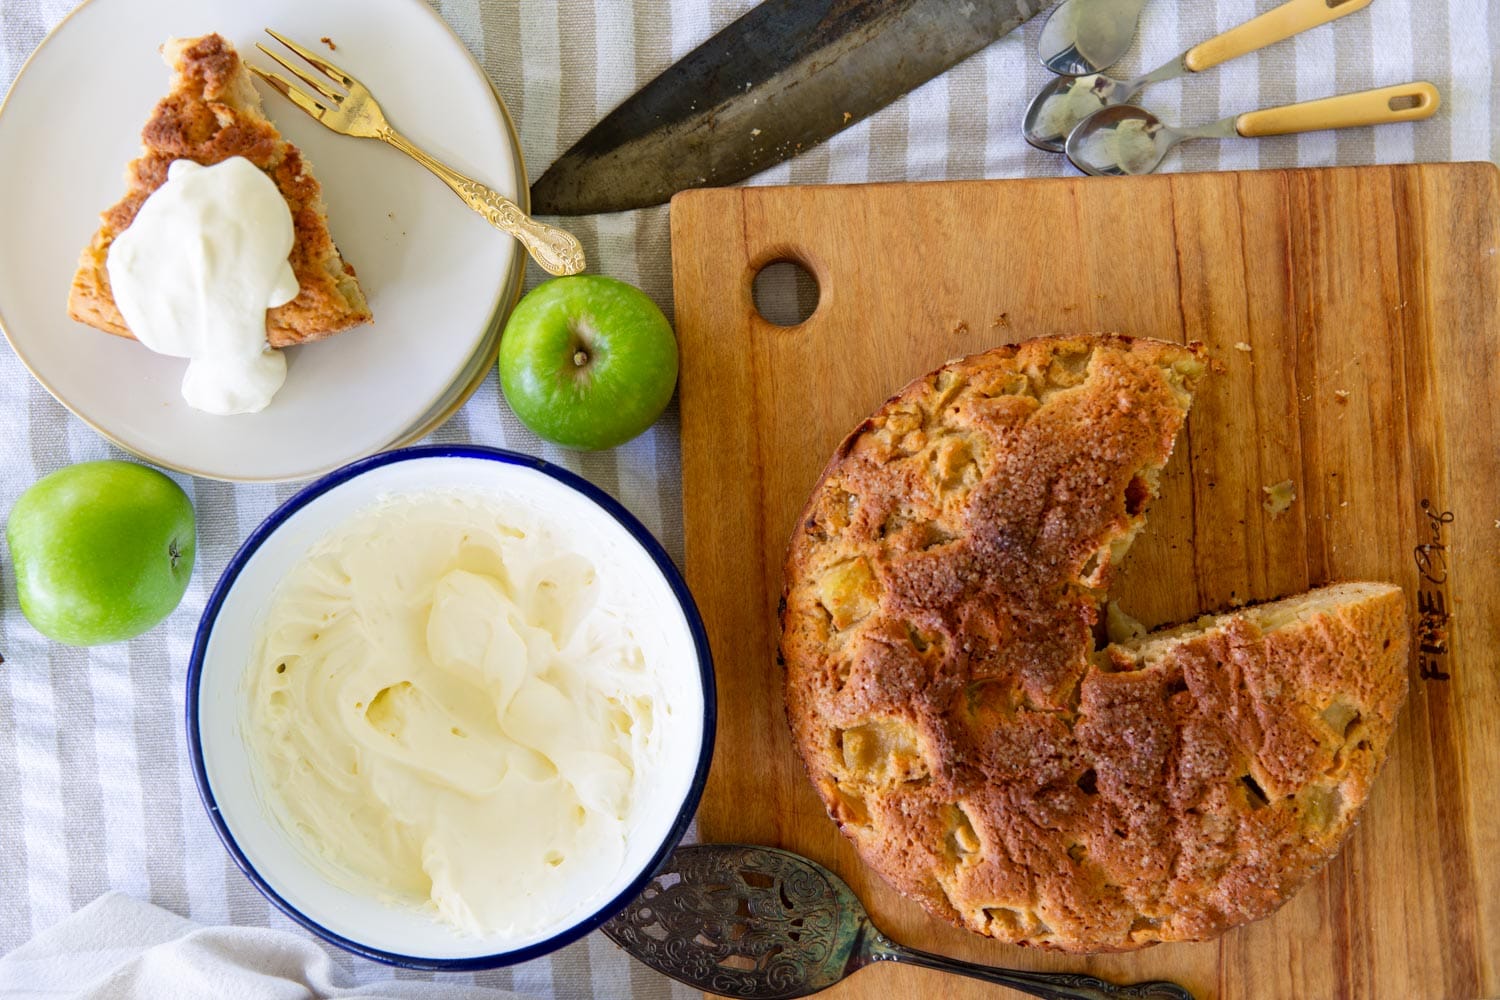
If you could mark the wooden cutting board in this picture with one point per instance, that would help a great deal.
(1356, 316)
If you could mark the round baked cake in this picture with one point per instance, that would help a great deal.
(945, 692)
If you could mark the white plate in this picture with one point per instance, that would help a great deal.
(439, 279)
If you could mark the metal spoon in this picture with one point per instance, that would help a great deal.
(1086, 36)
(1064, 103)
(1128, 140)
(768, 924)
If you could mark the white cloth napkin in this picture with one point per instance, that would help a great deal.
(122, 949)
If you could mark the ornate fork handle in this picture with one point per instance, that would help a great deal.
(557, 251)
(1047, 985)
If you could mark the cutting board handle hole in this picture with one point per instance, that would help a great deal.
(785, 292)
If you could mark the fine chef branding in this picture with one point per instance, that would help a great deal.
(1431, 557)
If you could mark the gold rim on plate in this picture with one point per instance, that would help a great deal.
(444, 404)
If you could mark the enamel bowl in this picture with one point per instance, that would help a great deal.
(222, 765)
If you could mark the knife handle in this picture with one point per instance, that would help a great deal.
(1404, 103)
(1276, 24)
(556, 251)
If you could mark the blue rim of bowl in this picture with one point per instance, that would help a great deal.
(627, 520)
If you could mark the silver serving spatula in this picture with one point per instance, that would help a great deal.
(763, 923)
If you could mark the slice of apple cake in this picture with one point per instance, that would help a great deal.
(212, 113)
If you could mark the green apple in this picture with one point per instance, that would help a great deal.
(103, 551)
(587, 361)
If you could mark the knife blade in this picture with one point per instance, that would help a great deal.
(781, 79)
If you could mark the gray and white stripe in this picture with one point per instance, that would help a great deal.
(95, 790)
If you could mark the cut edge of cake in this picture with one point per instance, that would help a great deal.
(1338, 598)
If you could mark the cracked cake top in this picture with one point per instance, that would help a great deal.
(944, 690)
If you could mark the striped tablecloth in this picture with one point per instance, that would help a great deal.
(95, 792)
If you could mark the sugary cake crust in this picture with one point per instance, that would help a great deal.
(212, 113)
(944, 692)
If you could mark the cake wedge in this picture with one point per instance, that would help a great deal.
(211, 113)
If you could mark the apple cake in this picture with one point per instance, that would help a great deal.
(212, 113)
(946, 695)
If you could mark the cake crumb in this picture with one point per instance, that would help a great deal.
(847, 116)
(1120, 626)
(1240, 345)
(1279, 497)
(754, 132)
(329, 42)
(1341, 396)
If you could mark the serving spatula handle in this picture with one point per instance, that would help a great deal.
(1047, 985)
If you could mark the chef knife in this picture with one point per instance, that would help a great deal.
(782, 78)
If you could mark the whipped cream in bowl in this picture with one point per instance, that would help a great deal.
(449, 707)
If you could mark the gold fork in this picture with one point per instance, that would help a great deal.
(355, 112)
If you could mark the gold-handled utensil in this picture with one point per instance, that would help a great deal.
(1087, 36)
(1065, 102)
(354, 111)
(1125, 139)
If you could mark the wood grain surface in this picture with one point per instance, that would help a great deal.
(1355, 314)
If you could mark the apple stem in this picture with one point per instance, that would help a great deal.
(580, 357)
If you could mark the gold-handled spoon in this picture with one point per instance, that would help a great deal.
(1066, 101)
(1086, 36)
(1129, 140)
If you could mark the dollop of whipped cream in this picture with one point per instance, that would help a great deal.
(195, 272)
(447, 707)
